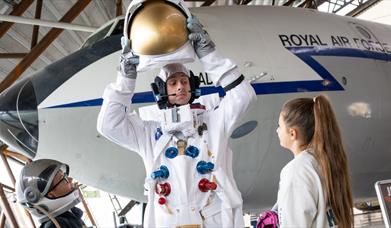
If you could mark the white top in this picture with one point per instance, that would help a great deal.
(301, 199)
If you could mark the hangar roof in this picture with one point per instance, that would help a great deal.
(25, 48)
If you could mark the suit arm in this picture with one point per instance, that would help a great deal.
(238, 99)
(116, 120)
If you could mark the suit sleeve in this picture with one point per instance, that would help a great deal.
(117, 121)
(237, 100)
(235, 104)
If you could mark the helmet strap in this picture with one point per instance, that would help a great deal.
(43, 211)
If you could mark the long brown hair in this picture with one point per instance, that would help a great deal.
(316, 121)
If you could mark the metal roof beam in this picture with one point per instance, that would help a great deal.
(12, 55)
(319, 2)
(127, 208)
(17, 11)
(341, 6)
(208, 2)
(23, 41)
(289, 3)
(336, 5)
(303, 4)
(42, 45)
(17, 156)
(118, 8)
(38, 10)
(311, 4)
(53, 9)
(10, 217)
(101, 8)
(245, 2)
(362, 8)
(2, 219)
(51, 24)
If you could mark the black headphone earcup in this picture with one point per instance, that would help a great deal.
(195, 80)
(155, 91)
(32, 195)
(159, 92)
(161, 85)
(194, 87)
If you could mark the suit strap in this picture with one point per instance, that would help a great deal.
(234, 83)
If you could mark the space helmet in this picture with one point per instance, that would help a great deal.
(33, 185)
(156, 31)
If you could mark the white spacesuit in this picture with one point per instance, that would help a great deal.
(189, 180)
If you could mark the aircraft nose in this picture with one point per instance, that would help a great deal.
(19, 117)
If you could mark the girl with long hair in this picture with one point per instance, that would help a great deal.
(314, 187)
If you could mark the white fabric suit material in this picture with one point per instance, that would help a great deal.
(301, 200)
(184, 54)
(121, 125)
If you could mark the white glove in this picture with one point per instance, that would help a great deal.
(128, 61)
(202, 43)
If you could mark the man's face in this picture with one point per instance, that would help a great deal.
(179, 85)
(61, 185)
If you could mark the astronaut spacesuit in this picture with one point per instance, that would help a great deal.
(188, 164)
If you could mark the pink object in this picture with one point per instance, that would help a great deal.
(268, 219)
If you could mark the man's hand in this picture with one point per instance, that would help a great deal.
(202, 43)
(128, 61)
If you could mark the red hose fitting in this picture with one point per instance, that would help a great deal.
(162, 201)
(163, 189)
(205, 185)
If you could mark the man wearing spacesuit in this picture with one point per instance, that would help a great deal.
(188, 164)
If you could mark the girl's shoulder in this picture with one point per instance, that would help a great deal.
(303, 166)
(304, 160)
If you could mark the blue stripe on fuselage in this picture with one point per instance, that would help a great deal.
(327, 83)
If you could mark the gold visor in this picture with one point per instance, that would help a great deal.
(158, 28)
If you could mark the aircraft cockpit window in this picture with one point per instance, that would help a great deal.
(100, 35)
(19, 117)
(119, 28)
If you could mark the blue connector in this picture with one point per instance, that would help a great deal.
(171, 152)
(158, 133)
(162, 172)
(204, 167)
(192, 151)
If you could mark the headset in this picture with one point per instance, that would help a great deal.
(159, 90)
(32, 195)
